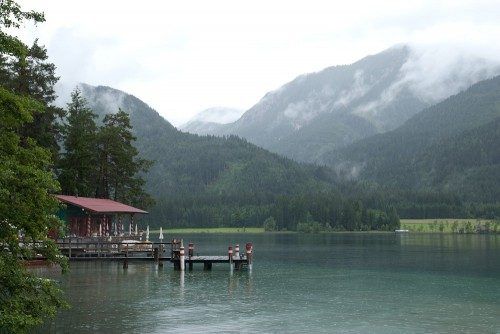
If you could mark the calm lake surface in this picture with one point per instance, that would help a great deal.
(342, 283)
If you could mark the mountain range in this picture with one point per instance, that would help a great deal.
(320, 112)
(424, 158)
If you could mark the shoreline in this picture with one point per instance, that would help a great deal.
(438, 225)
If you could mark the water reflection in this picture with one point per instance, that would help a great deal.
(238, 282)
(301, 283)
(181, 285)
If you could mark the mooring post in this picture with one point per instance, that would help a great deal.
(230, 255)
(190, 255)
(172, 249)
(182, 257)
(155, 254)
(249, 251)
(160, 254)
(125, 262)
(237, 251)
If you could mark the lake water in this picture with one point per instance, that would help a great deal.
(342, 283)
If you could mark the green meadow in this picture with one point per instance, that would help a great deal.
(451, 225)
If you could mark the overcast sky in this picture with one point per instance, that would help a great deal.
(184, 56)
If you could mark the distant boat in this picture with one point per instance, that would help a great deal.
(401, 231)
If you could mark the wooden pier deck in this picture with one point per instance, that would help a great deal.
(159, 252)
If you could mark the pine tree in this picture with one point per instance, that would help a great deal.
(119, 164)
(33, 75)
(78, 163)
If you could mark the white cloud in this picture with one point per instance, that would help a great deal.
(358, 89)
(184, 56)
(221, 115)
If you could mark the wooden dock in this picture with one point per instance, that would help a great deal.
(99, 249)
(234, 259)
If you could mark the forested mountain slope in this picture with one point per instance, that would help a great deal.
(452, 146)
(191, 163)
(190, 169)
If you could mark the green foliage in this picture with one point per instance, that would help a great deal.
(12, 16)
(26, 299)
(331, 211)
(26, 205)
(31, 74)
(469, 228)
(270, 224)
(309, 225)
(450, 225)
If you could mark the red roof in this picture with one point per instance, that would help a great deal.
(99, 205)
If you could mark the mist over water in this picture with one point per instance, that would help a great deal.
(348, 283)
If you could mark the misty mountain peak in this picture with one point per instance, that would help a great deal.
(209, 120)
(343, 103)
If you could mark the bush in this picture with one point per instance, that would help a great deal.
(270, 224)
(309, 227)
(469, 228)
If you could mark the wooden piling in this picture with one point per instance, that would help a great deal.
(249, 253)
(177, 265)
(160, 254)
(230, 256)
(155, 255)
(182, 257)
(125, 262)
(190, 255)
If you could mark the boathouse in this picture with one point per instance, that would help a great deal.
(98, 217)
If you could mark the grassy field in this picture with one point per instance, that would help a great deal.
(212, 230)
(450, 225)
(413, 225)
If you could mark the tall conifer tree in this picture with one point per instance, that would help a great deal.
(32, 74)
(119, 164)
(78, 163)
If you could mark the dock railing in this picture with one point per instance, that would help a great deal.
(103, 248)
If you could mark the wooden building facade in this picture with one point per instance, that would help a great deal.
(97, 217)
